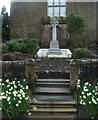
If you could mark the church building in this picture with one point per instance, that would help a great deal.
(32, 19)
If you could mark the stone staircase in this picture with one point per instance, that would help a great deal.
(52, 99)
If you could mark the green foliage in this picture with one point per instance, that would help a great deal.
(88, 96)
(70, 43)
(75, 24)
(81, 53)
(23, 45)
(4, 47)
(15, 96)
(5, 24)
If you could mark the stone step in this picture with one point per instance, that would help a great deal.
(53, 110)
(52, 117)
(51, 91)
(53, 74)
(54, 80)
(46, 84)
(56, 104)
(52, 104)
(53, 98)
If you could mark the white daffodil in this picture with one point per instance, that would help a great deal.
(86, 83)
(78, 86)
(86, 90)
(27, 87)
(7, 80)
(93, 91)
(89, 102)
(21, 86)
(18, 82)
(83, 93)
(83, 103)
(2, 84)
(96, 93)
(19, 95)
(10, 89)
(26, 98)
(24, 79)
(29, 113)
(13, 82)
(88, 94)
(9, 93)
(21, 91)
(79, 80)
(19, 101)
(17, 105)
(0, 108)
(9, 102)
(0, 80)
(2, 93)
(4, 97)
(15, 78)
(89, 84)
(94, 101)
(20, 98)
(8, 99)
(80, 96)
(84, 96)
(8, 85)
(15, 86)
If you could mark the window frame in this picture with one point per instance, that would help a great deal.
(53, 6)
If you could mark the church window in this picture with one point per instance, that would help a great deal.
(57, 8)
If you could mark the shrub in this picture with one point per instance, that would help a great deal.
(7, 57)
(23, 45)
(15, 96)
(70, 44)
(81, 53)
(4, 47)
(75, 24)
(88, 96)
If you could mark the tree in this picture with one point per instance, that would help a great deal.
(75, 25)
(5, 24)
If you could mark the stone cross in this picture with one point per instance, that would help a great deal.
(54, 22)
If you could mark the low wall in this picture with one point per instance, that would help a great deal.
(85, 70)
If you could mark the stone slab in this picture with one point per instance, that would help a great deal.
(51, 90)
(58, 110)
(65, 53)
(53, 98)
(53, 80)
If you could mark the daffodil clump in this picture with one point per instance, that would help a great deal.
(15, 96)
(88, 96)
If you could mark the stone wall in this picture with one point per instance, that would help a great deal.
(88, 11)
(27, 21)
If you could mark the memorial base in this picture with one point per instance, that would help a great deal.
(62, 53)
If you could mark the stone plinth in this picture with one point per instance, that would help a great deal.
(64, 53)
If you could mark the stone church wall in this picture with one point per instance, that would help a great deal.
(27, 21)
(88, 11)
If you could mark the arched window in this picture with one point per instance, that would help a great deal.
(57, 8)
